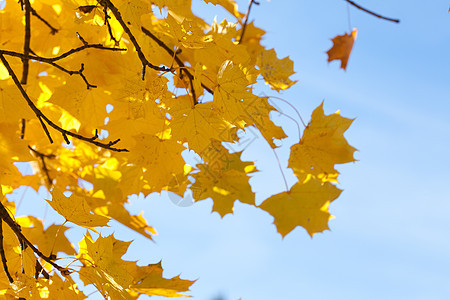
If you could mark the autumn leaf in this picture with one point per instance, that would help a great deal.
(76, 210)
(342, 47)
(322, 146)
(276, 72)
(304, 205)
(149, 280)
(223, 178)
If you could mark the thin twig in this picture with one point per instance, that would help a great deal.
(371, 12)
(40, 270)
(179, 62)
(53, 30)
(292, 106)
(4, 215)
(52, 61)
(144, 61)
(26, 44)
(107, 17)
(251, 2)
(22, 129)
(44, 120)
(2, 254)
(42, 157)
(177, 59)
(281, 169)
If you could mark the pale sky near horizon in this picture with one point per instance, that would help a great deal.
(391, 235)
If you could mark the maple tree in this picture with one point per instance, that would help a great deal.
(111, 92)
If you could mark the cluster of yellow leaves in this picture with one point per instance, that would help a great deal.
(313, 159)
(156, 116)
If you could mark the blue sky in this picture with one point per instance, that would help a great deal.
(391, 235)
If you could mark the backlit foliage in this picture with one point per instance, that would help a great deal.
(156, 80)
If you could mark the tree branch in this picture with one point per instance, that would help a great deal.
(178, 60)
(107, 17)
(44, 120)
(26, 44)
(52, 61)
(42, 157)
(4, 215)
(246, 18)
(118, 16)
(53, 30)
(371, 12)
(2, 254)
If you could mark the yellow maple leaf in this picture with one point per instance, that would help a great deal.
(223, 188)
(223, 178)
(303, 205)
(105, 253)
(161, 160)
(275, 71)
(256, 112)
(50, 241)
(12, 105)
(231, 91)
(149, 280)
(87, 105)
(342, 47)
(56, 288)
(230, 5)
(197, 124)
(322, 146)
(76, 210)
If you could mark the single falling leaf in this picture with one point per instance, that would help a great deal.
(342, 47)
(322, 146)
(303, 205)
(76, 210)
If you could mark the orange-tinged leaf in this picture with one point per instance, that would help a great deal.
(322, 146)
(342, 47)
(303, 205)
(76, 210)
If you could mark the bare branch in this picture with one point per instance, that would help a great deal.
(26, 44)
(4, 215)
(42, 157)
(44, 120)
(371, 12)
(178, 60)
(53, 30)
(52, 61)
(246, 18)
(2, 254)
(118, 16)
